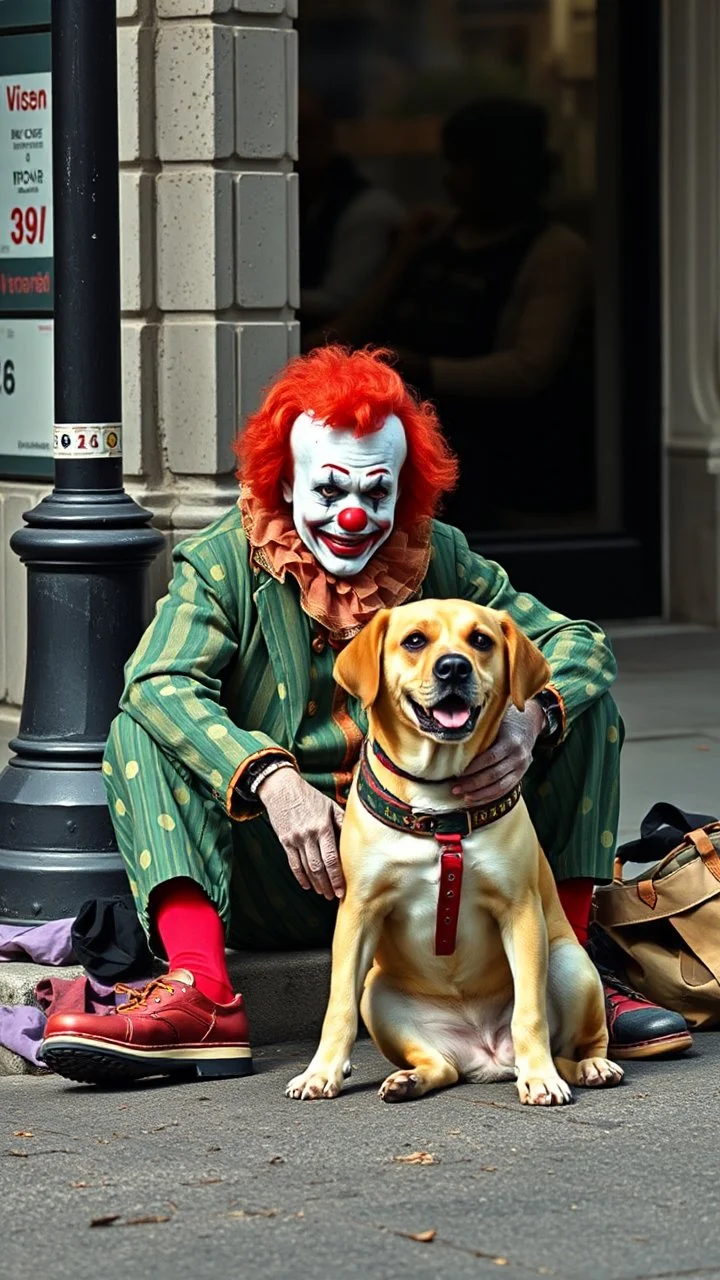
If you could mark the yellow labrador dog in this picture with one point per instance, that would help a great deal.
(474, 971)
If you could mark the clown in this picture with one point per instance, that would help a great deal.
(229, 765)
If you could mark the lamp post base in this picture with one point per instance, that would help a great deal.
(58, 847)
(87, 557)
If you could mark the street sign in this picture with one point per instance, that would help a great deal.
(26, 244)
(26, 238)
(26, 387)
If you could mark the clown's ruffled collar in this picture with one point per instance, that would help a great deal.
(341, 605)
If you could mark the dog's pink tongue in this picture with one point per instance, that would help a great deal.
(451, 719)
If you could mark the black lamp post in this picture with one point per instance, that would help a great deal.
(87, 546)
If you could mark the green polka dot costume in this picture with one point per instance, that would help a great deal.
(230, 669)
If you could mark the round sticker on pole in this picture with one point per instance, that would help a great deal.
(87, 440)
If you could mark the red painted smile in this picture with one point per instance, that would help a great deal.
(349, 548)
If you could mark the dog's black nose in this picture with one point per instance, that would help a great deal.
(452, 666)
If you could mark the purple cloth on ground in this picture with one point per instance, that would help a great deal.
(22, 1026)
(21, 1031)
(41, 943)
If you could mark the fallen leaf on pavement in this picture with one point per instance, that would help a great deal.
(277, 1160)
(489, 1168)
(116, 1219)
(417, 1157)
(75, 1185)
(253, 1213)
(49, 1151)
(23, 1133)
(146, 1220)
(422, 1237)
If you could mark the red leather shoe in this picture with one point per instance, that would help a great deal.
(169, 1027)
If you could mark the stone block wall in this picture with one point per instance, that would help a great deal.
(209, 260)
(208, 134)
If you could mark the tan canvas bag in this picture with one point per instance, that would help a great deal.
(666, 920)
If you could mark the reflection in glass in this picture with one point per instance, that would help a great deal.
(478, 118)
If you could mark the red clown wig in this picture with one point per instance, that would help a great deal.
(357, 389)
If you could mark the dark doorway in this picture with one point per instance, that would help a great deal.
(559, 443)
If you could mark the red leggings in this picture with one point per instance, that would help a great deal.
(576, 899)
(193, 936)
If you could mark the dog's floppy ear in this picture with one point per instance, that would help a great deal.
(528, 671)
(357, 668)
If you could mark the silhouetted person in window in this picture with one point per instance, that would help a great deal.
(490, 310)
(346, 225)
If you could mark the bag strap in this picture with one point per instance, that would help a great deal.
(662, 830)
(700, 838)
(706, 848)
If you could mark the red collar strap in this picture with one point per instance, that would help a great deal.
(448, 910)
(449, 829)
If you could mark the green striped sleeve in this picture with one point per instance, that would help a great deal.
(174, 679)
(581, 660)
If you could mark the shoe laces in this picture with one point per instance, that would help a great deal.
(137, 998)
(615, 986)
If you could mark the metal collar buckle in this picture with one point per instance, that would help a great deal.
(422, 823)
(427, 823)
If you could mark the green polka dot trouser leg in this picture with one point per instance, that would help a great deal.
(573, 795)
(167, 827)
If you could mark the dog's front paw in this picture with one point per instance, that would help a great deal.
(543, 1090)
(599, 1073)
(316, 1082)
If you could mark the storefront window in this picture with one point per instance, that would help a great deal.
(448, 191)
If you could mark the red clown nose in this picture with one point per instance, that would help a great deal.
(352, 519)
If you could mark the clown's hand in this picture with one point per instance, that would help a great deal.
(496, 771)
(307, 825)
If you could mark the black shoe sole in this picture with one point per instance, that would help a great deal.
(658, 1048)
(102, 1066)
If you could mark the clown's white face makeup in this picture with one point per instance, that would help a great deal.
(344, 490)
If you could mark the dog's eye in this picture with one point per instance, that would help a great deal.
(482, 642)
(416, 640)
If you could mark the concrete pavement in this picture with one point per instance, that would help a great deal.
(668, 689)
(225, 1179)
